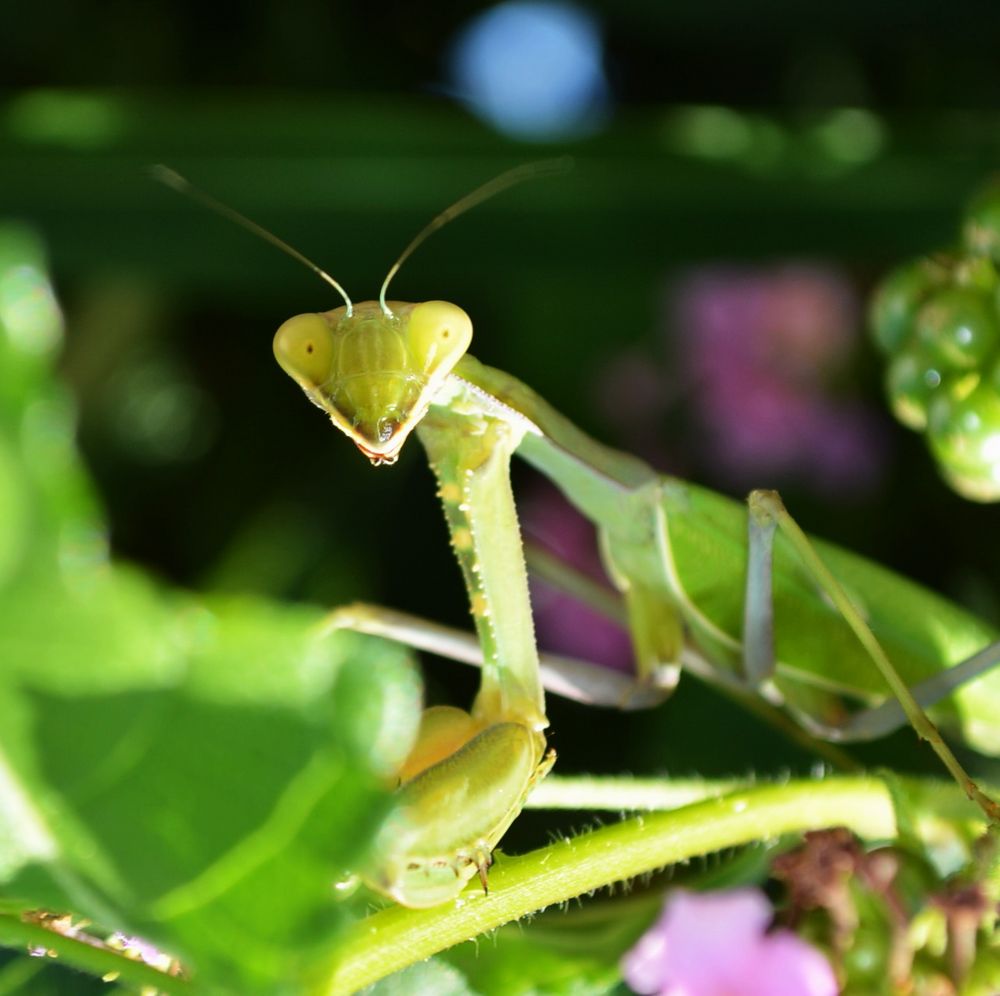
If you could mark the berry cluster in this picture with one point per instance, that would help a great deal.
(937, 319)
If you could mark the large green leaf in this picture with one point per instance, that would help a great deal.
(198, 771)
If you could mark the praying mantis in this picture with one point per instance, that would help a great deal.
(739, 594)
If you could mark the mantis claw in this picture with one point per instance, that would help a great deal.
(483, 862)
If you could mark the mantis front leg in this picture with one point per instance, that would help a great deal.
(468, 775)
(470, 455)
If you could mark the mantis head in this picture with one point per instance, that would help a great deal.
(374, 368)
(374, 371)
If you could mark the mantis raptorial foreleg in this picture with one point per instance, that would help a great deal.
(470, 456)
(469, 773)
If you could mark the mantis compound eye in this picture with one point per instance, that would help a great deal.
(439, 334)
(303, 346)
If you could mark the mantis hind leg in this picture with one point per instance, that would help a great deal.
(883, 719)
(767, 513)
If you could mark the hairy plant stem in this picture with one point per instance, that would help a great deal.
(394, 938)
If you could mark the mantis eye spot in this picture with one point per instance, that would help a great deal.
(439, 333)
(304, 347)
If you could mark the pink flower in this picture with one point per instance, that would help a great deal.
(564, 624)
(762, 348)
(717, 944)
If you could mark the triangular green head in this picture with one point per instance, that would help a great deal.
(374, 369)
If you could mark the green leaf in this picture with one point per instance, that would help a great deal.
(571, 952)
(433, 976)
(195, 771)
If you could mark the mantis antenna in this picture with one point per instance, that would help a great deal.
(177, 182)
(528, 171)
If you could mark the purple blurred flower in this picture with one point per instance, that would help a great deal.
(717, 944)
(761, 347)
(565, 625)
(793, 320)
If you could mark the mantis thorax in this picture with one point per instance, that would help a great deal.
(374, 370)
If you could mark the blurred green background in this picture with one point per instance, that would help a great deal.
(740, 170)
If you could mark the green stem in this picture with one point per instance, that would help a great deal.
(98, 960)
(396, 937)
(625, 793)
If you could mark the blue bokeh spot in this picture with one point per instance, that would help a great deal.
(532, 69)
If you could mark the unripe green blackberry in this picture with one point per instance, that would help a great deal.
(958, 328)
(964, 435)
(937, 320)
(911, 382)
(898, 298)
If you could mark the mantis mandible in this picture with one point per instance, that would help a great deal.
(801, 622)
